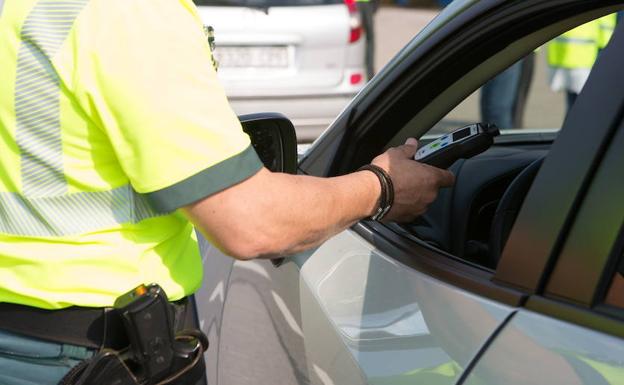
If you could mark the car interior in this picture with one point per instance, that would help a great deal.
(472, 220)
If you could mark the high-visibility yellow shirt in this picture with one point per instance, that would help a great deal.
(579, 47)
(111, 118)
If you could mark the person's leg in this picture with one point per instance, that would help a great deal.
(499, 95)
(570, 99)
(27, 361)
(366, 13)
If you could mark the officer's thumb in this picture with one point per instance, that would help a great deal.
(410, 147)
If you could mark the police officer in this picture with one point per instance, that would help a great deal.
(571, 56)
(116, 137)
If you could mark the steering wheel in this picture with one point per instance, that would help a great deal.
(508, 209)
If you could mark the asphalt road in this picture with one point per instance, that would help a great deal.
(396, 26)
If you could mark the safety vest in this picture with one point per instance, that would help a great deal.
(111, 118)
(572, 55)
(579, 47)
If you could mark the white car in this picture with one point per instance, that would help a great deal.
(302, 58)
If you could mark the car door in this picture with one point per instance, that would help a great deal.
(572, 328)
(373, 305)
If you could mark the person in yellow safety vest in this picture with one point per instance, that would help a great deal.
(571, 56)
(117, 142)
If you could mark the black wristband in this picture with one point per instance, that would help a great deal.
(386, 198)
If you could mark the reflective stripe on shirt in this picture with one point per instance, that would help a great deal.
(45, 208)
(37, 96)
(71, 214)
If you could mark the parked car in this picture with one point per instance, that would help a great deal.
(303, 58)
(514, 276)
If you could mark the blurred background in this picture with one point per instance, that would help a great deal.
(308, 58)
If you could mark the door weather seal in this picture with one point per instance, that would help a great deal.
(477, 357)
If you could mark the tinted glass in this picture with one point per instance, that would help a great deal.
(265, 3)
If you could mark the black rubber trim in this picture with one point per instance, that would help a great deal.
(207, 182)
(436, 263)
(578, 315)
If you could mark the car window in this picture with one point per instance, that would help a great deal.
(520, 97)
(537, 91)
(265, 3)
(530, 99)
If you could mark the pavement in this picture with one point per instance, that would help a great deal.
(396, 26)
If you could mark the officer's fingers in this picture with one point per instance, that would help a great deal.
(411, 142)
(409, 148)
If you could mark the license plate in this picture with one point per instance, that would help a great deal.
(252, 57)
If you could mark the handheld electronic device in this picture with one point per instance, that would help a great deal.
(463, 143)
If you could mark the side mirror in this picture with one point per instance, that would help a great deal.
(274, 139)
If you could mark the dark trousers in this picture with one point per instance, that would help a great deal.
(367, 11)
(33, 361)
(503, 98)
(570, 99)
(30, 361)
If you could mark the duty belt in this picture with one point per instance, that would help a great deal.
(143, 340)
(94, 328)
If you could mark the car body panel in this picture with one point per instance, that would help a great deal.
(211, 299)
(535, 349)
(315, 37)
(387, 317)
(310, 114)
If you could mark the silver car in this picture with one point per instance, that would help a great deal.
(514, 276)
(303, 58)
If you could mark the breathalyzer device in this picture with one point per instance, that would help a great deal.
(463, 143)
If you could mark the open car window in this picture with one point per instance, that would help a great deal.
(536, 91)
(529, 101)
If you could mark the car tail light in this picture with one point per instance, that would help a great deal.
(356, 78)
(355, 24)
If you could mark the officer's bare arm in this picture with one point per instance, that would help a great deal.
(272, 214)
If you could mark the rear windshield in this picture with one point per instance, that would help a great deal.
(266, 3)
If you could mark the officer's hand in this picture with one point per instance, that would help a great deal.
(416, 184)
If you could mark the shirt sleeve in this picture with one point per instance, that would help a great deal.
(147, 74)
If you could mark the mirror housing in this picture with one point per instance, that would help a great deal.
(274, 139)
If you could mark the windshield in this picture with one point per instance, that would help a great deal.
(265, 3)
